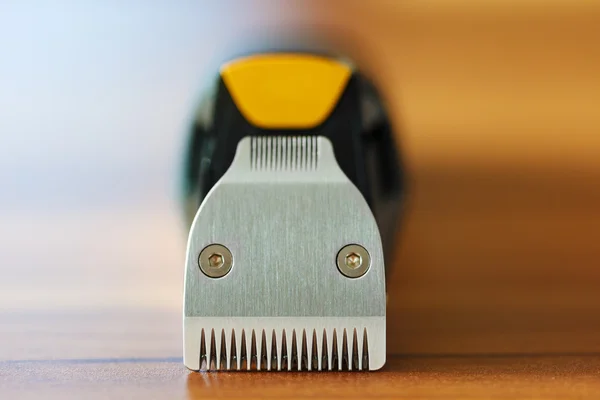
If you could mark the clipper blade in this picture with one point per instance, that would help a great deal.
(284, 267)
(287, 343)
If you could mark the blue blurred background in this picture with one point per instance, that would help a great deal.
(95, 101)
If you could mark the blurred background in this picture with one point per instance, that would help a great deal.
(496, 106)
(96, 102)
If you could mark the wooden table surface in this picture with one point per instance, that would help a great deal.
(136, 354)
(566, 377)
(495, 289)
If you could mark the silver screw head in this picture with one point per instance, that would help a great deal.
(215, 261)
(353, 261)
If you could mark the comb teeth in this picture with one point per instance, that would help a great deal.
(297, 350)
(284, 343)
(289, 153)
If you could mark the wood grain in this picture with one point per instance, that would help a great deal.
(404, 378)
(411, 378)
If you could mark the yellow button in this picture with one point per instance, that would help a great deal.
(285, 91)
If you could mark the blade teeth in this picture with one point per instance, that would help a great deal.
(334, 359)
(304, 349)
(344, 354)
(313, 355)
(273, 363)
(266, 351)
(212, 359)
(294, 358)
(233, 354)
(304, 356)
(263, 361)
(217, 348)
(224, 360)
(290, 153)
(253, 354)
(324, 362)
(365, 352)
(203, 358)
(355, 365)
(244, 353)
(285, 350)
(237, 343)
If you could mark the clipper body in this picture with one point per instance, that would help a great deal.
(285, 264)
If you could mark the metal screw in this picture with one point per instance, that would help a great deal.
(353, 261)
(215, 261)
